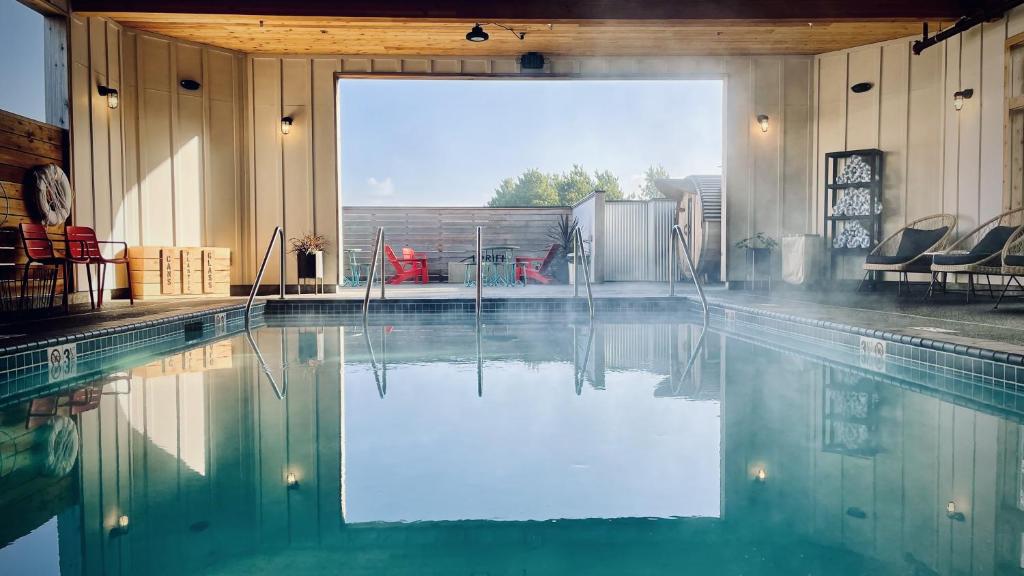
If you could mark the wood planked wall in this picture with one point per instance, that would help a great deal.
(293, 179)
(937, 159)
(166, 167)
(24, 145)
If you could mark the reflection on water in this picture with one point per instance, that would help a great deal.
(434, 447)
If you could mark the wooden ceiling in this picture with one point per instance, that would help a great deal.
(443, 37)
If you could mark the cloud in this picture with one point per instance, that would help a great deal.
(381, 188)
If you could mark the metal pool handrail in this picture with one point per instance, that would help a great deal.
(378, 249)
(677, 234)
(479, 268)
(278, 231)
(580, 254)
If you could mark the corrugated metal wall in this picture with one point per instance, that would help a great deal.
(636, 240)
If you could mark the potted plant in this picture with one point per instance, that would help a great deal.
(561, 234)
(759, 249)
(309, 253)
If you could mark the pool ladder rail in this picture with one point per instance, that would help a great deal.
(678, 239)
(278, 232)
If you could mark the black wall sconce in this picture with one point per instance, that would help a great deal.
(762, 121)
(112, 96)
(286, 124)
(861, 87)
(953, 514)
(189, 84)
(960, 96)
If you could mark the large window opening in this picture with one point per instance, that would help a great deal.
(504, 143)
(23, 91)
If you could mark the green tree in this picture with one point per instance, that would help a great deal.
(534, 188)
(647, 190)
(531, 188)
(609, 183)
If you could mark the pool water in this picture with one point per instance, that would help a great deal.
(528, 445)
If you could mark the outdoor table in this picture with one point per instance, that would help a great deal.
(353, 278)
(502, 259)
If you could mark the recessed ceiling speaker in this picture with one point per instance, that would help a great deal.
(189, 84)
(861, 87)
(532, 61)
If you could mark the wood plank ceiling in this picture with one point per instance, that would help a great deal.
(441, 37)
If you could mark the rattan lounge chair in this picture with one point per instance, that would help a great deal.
(979, 252)
(909, 249)
(1013, 262)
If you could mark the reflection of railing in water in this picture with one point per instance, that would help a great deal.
(279, 391)
(694, 352)
(578, 370)
(382, 383)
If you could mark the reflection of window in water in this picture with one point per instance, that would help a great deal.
(1020, 479)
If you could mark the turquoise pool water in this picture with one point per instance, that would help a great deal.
(639, 444)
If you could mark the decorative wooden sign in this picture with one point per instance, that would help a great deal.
(169, 280)
(209, 269)
(191, 271)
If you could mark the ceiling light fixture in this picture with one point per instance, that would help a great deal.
(112, 96)
(960, 96)
(477, 34)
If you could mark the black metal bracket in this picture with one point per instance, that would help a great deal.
(984, 14)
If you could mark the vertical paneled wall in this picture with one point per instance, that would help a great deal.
(294, 178)
(937, 159)
(165, 168)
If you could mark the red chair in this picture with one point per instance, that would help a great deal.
(415, 271)
(83, 245)
(39, 250)
(528, 266)
(410, 254)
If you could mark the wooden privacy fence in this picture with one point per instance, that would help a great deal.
(449, 234)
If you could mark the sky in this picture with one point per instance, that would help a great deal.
(21, 57)
(452, 142)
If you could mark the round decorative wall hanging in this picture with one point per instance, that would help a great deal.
(53, 194)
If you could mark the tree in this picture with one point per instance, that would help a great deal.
(647, 190)
(534, 188)
(531, 188)
(609, 183)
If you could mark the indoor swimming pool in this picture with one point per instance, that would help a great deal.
(640, 443)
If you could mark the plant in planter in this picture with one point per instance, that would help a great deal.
(309, 253)
(562, 235)
(759, 249)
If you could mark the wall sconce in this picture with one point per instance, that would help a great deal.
(952, 514)
(122, 526)
(960, 96)
(762, 121)
(112, 96)
(286, 124)
(291, 481)
(760, 476)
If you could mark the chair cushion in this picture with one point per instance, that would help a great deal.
(924, 262)
(1014, 260)
(994, 240)
(959, 259)
(914, 242)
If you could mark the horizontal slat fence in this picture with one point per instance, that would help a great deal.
(449, 234)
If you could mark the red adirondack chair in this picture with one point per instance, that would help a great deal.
(39, 250)
(410, 254)
(416, 270)
(528, 266)
(83, 245)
